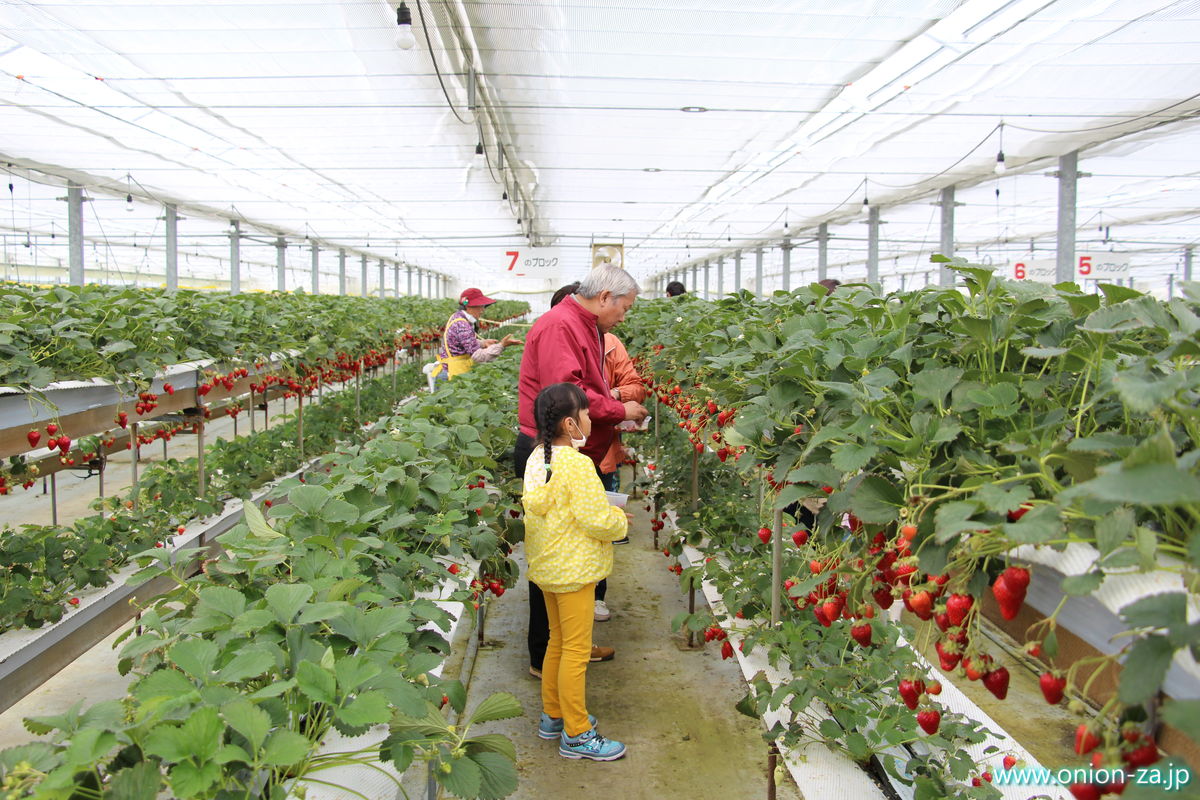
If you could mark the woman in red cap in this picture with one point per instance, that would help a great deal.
(461, 348)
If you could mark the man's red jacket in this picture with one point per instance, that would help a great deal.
(565, 346)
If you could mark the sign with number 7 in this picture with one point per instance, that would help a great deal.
(515, 254)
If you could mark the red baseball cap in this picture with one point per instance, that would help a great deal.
(474, 297)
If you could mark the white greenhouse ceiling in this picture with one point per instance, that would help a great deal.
(684, 129)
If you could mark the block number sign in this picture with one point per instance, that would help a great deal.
(535, 262)
(1089, 266)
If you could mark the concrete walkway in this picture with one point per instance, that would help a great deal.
(672, 707)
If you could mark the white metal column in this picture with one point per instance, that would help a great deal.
(75, 233)
(409, 268)
(382, 279)
(737, 271)
(341, 270)
(1187, 263)
(720, 276)
(945, 274)
(787, 265)
(316, 268)
(281, 264)
(1068, 180)
(822, 251)
(758, 269)
(172, 220)
(396, 279)
(363, 264)
(235, 256)
(873, 245)
(707, 295)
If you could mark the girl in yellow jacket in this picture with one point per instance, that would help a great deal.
(569, 530)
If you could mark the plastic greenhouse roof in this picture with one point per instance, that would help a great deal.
(306, 119)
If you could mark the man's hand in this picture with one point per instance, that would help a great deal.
(509, 340)
(486, 342)
(635, 411)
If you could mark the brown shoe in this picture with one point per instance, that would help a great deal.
(602, 653)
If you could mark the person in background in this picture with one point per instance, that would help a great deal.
(569, 530)
(461, 348)
(626, 385)
(675, 288)
(830, 284)
(566, 345)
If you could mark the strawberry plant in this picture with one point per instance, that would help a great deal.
(943, 429)
(311, 619)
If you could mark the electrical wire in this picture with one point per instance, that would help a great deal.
(437, 70)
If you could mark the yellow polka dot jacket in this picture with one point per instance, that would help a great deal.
(569, 524)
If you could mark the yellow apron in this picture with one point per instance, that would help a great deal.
(453, 365)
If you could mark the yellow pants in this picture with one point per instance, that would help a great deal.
(564, 670)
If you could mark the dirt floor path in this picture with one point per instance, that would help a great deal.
(672, 707)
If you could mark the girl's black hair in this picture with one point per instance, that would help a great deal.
(554, 404)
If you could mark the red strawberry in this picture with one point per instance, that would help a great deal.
(34, 437)
(1084, 791)
(929, 720)
(832, 608)
(996, 682)
(1143, 754)
(827, 489)
(726, 650)
(943, 621)
(883, 597)
(1010, 762)
(799, 429)
(934, 688)
(1052, 687)
(1085, 740)
(957, 607)
(862, 634)
(907, 532)
(1034, 649)
(922, 604)
(496, 588)
(1009, 590)
(74, 601)
(168, 388)
(1019, 512)
(910, 692)
(948, 656)
(764, 535)
(64, 443)
(976, 667)
(800, 537)
(268, 503)
(51, 429)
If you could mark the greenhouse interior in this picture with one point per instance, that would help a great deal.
(875, 322)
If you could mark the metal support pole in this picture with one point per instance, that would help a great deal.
(720, 276)
(235, 256)
(382, 278)
(737, 271)
(201, 477)
(281, 264)
(787, 265)
(946, 246)
(1171, 286)
(409, 269)
(365, 291)
(300, 422)
(822, 251)
(1068, 183)
(691, 635)
(100, 474)
(54, 498)
(75, 233)
(429, 285)
(1187, 263)
(873, 245)
(316, 269)
(707, 295)
(172, 219)
(772, 762)
(396, 279)
(758, 269)
(342, 271)
(777, 568)
(134, 449)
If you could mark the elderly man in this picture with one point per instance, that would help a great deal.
(566, 344)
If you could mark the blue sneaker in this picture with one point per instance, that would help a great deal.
(590, 745)
(552, 727)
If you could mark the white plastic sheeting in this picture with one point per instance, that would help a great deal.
(306, 117)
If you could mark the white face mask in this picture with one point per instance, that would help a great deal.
(577, 443)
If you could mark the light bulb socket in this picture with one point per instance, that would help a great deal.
(1000, 165)
(403, 15)
(504, 196)
(479, 148)
(129, 199)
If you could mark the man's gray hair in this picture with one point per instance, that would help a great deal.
(607, 278)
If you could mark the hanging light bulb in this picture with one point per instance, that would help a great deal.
(404, 35)
(479, 148)
(129, 202)
(999, 168)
